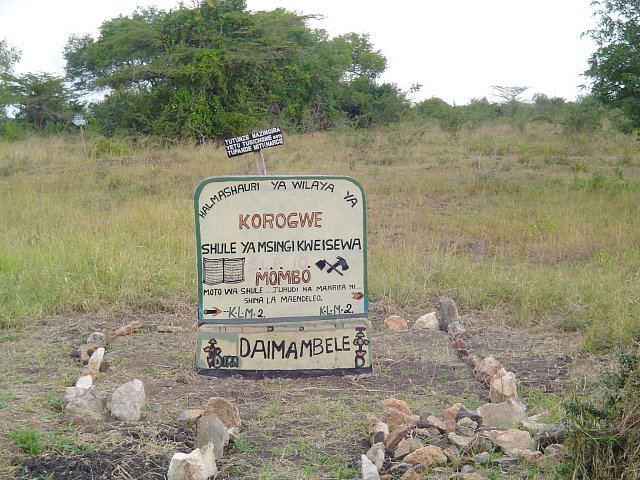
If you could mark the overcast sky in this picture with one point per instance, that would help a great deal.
(456, 49)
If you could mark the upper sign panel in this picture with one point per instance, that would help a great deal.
(283, 248)
(253, 142)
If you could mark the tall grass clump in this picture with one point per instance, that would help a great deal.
(27, 440)
(604, 422)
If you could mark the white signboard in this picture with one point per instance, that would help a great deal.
(280, 248)
(78, 120)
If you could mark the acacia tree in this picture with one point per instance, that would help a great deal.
(42, 101)
(39, 101)
(615, 65)
(514, 107)
(511, 97)
(509, 94)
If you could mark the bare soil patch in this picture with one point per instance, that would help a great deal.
(292, 428)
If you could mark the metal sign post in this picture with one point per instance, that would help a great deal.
(79, 121)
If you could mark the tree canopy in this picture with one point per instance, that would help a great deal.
(9, 56)
(41, 101)
(615, 65)
(37, 101)
(216, 70)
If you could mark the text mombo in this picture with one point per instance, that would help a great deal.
(292, 277)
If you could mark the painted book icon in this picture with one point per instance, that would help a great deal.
(222, 270)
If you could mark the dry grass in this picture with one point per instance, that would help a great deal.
(530, 228)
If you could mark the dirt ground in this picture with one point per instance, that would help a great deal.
(292, 428)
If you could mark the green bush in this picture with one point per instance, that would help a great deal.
(583, 116)
(453, 122)
(604, 422)
(107, 147)
(11, 131)
(432, 108)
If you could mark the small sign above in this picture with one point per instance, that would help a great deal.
(253, 142)
(78, 120)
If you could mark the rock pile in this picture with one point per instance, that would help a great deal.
(84, 403)
(217, 423)
(502, 383)
(459, 439)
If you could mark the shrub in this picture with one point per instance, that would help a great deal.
(432, 108)
(453, 122)
(107, 147)
(11, 131)
(583, 116)
(605, 423)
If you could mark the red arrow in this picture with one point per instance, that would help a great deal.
(212, 311)
(357, 295)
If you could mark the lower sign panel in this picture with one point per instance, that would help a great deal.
(292, 349)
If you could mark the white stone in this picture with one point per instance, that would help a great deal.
(211, 430)
(533, 425)
(456, 329)
(376, 455)
(85, 381)
(97, 337)
(460, 441)
(466, 427)
(466, 469)
(85, 404)
(503, 387)
(405, 447)
(96, 359)
(369, 470)
(511, 441)
(482, 457)
(209, 460)
(185, 466)
(504, 414)
(127, 401)
(427, 322)
(447, 312)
